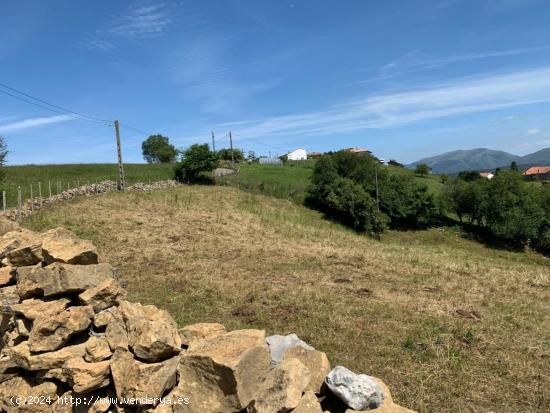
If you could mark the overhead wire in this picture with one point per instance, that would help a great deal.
(50, 106)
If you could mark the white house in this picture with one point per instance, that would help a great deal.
(487, 175)
(297, 155)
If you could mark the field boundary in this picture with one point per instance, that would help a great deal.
(31, 205)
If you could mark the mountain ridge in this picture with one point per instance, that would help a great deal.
(481, 159)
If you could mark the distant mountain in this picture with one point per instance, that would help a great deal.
(481, 159)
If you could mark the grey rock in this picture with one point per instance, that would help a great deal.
(278, 345)
(357, 391)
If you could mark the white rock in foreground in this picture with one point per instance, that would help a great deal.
(357, 391)
(278, 345)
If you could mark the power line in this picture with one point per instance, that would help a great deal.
(50, 106)
(261, 143)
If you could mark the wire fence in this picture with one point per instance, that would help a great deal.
(15, 192)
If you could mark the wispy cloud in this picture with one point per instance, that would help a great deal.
(142, 20)
(206, 69)
(462, 96)
(532, 132)
(443, 4)
(33, 123)
(416, 61)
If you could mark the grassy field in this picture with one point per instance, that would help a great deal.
(291, 181)
(75, 174)
(449, 324)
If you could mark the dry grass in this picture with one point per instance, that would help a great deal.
(450, 325)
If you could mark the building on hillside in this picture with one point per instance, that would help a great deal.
(487, 175)
(313, 155)
(297, 155)
(264, 160)
(360, 151)
(537, 173)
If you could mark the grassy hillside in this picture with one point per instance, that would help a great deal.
(291, 181)
(450, 325)
(73, 174)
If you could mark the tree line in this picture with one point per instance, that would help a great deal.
(158, 149)
(369, 198)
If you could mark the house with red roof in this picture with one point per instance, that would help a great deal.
(537, 173)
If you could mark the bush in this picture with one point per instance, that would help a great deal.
(467, 199)
(393, 162)
(195, 160)
(422, 169)
(469, 176)
(513, 212)
(344, 184)
(225, 155)
(406, 203)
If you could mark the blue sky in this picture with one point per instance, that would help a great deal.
(406, 79)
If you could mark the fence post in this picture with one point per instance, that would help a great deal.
(50, 188)
(67, 185)
(4, 200)
(32, 201)
(18, 203)
(40, 192)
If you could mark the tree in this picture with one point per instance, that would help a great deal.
(395, 163)
(422, 169)
(467, 199)
(225, 155)
(513, 211)
(157, 149)
(3, 156)
(366, 196)
(469, 176)
(195, 160)
(514, 166)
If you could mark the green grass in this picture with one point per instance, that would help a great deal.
(291, 181)
(284, 182)
(75, 174)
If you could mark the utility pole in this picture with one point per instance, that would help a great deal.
(119, 151)
(213, 143)
(231, 145)
(376, 181)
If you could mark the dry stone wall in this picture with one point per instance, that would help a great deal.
(71, 342)
(31, 205)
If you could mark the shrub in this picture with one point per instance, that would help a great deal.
(513, 211)
(467, 199)
(422, 169)
(195, 160)
(469, 176)
(225, 155)
(346, 185)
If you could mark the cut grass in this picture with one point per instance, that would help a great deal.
(450, 325)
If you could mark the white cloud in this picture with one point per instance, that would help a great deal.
(462, 96)
(143, 20)
(33, 123)
(416, 60)
(532, 132)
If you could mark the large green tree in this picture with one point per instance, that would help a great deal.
(157, 149)
(364, 195)
(195, 160)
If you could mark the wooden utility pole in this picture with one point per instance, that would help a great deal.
(231, 145)
(213, 143)
(376, 181)
(119, 152)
